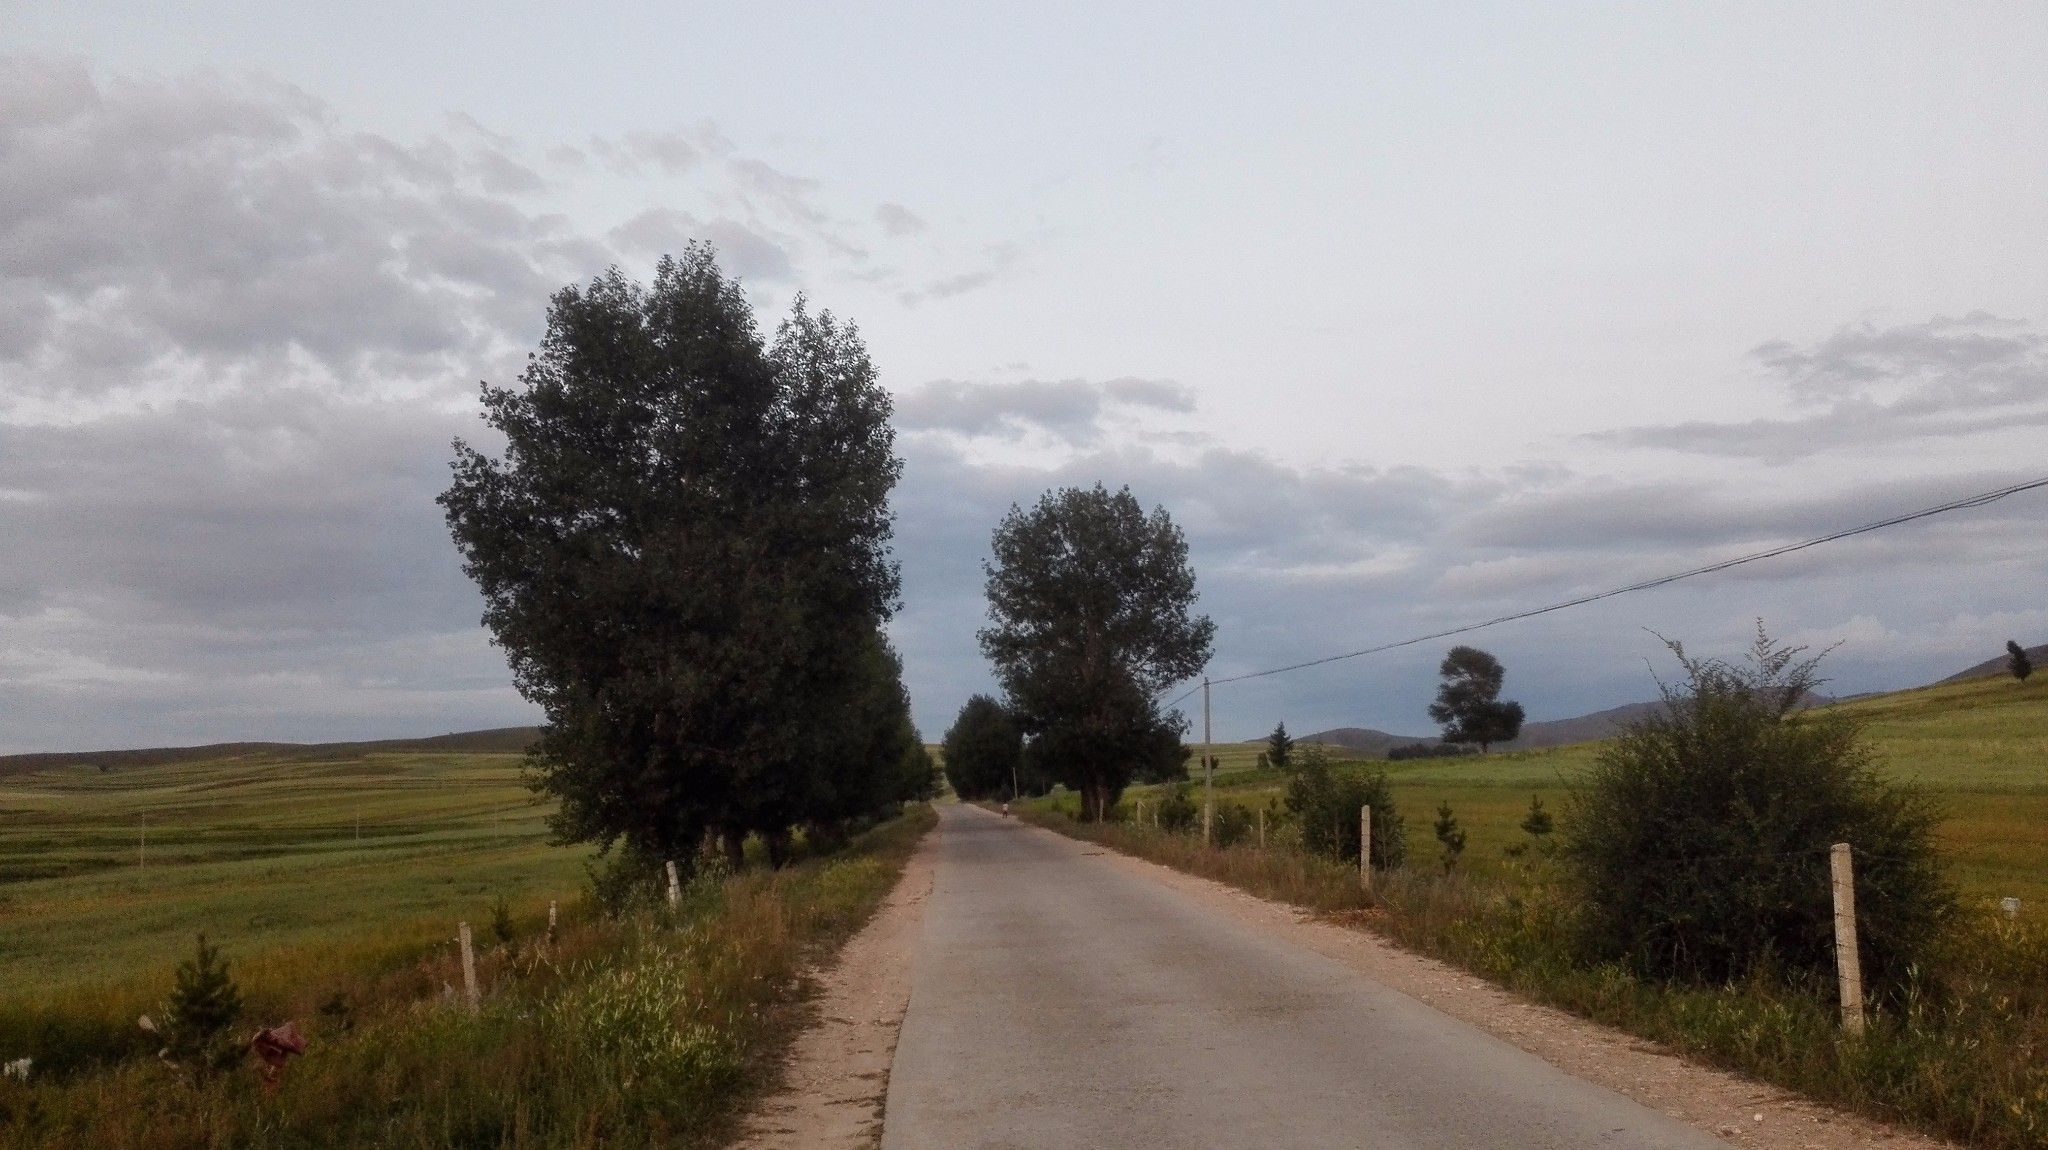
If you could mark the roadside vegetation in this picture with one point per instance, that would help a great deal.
(1630, 890)
(647, 1025)
(683, 547)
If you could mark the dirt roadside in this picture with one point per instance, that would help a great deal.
(1739, 1111)
(838, 1071)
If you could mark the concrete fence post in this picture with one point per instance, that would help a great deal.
(551, 920)
(1365, 848)
(675, 885)
(468, 967)
(1848, 964)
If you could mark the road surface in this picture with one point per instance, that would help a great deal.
(1058, 1001)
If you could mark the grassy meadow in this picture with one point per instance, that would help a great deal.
(264, 851)
(1981, 746)
(333, 879)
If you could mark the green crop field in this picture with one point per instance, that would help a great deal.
(262, 850)
(1980, 746)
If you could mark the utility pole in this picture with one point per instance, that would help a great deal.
(1208, 769)
(142, 845)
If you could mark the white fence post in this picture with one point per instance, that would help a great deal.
(675, 885)
(468, 967)
(1365, 848)
(1848, 965)
(551, 920)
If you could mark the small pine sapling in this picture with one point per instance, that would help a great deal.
(200, 1016)
(1450, 834)
(1538, 824)
(501, 921)
(2017, 662)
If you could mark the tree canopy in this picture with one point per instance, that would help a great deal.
(984, 750)
(1090, 606)
(684, 552)
(1468, 704)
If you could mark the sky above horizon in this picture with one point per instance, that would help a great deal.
(1411, 316)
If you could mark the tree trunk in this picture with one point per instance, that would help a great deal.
(735, 841)
(778, 847)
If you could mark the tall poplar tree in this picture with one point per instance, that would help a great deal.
(684, 552)
(1090, 608)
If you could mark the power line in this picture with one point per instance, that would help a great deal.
(1978, 500)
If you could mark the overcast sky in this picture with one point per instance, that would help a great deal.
(1410, 316)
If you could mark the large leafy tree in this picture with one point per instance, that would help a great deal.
(1090, 607)
(984, 750)
(1468, 704)
(684, 551)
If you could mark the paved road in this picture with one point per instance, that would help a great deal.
(1061, 1002)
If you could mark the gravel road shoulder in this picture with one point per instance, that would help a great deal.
(838, 1071)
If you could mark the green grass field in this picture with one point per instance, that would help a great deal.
(262, 851)
(1981, 747)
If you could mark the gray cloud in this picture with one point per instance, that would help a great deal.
(1071, 410)
(168, 229)
(1001, 259)
(898, 221)
(1942, 379)
(741, 249)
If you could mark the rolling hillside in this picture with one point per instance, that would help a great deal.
(498, 740)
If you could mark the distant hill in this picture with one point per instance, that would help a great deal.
(1552, 733)
(1534, 736)
(2038, 656)
(1365, 740)
(512, 740)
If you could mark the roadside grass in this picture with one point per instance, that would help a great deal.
(1962, 1053)
(648, 1030)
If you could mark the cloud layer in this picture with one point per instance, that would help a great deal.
(236, 335)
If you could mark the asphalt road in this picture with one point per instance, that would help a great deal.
(1058, 1001)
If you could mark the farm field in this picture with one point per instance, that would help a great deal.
(1980, 746)
(265, 851)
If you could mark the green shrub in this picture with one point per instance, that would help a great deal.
(1177, 812)
(1326, 805)
(1233, 824)
(622, 881)
(1699, 844)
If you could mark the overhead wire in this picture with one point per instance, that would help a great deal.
(1970, 501)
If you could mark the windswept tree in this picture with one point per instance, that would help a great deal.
(1279, 747)
(2017, 662)
(1090, 604)
(984, 750)
(1468, 704)
(684, 552)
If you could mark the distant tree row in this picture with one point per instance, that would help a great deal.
(1429, 751)
(684, 551)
